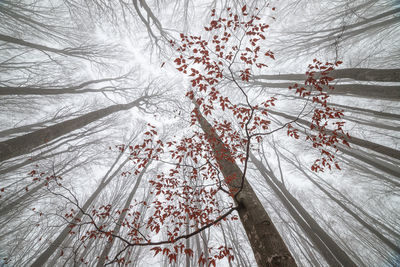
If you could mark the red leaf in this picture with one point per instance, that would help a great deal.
(172, 257)
(337, 166)
(157, 250)
(244, 8)
(346, 143)
(189, 252)
(166, 251)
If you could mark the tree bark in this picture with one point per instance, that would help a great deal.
(73, 52)
(390, 152)
(121, 218)
(76, 89)
(372, 229)
(368, 112)
(267, 244)
(359, 74)
(331, 251)
(362, 90)
(24, 144)
(42, 259)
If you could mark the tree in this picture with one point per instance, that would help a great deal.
(41, 260)
(202, 202)
(212, 149)
(24, 144)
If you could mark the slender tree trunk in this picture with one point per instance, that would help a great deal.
(42, 259)
(198, 246)
(353, 140)
(15, 204)
(368, 112)
(373, 124)
(85, 252)
(298, 166)
(205, 247)
(24, 144)
(225, 242)
(300, 241)
(76, 89)
(66, 52)
(332, 253)
(372, 229)
(357, 166)
(375, 162)
(267, 244)
(121, 218)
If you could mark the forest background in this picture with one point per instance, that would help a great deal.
(88, 87)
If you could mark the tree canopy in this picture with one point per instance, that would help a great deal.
(199, 133)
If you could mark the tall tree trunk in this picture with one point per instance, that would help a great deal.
(362, 90)
(267, 244)
(390, 152)
(121, 218)
(359, 74)
(373, 161)
(372, 229)
(368, 112)
(332, 253)
(373, 124)
(42, 259)
(31, 90)
(358, 166)
(66, 52)
(225, 242)
(24, 144)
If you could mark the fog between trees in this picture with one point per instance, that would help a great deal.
(107, 158)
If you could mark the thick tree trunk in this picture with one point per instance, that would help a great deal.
(362, 90)
(24, 144)
(359, 74)
(42, 259)
(332, 252)
(267, 244)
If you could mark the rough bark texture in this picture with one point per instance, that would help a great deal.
(267, 244)
(24, 144)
